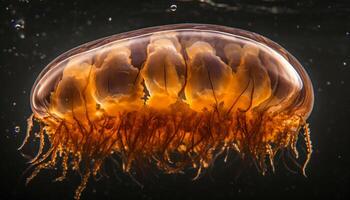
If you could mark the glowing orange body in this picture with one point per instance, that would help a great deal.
(194, 91)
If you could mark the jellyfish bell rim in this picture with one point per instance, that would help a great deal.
(224, 30)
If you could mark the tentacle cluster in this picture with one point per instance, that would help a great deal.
(173, 140)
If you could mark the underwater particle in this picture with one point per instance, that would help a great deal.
(22, 35)
(174, 97)
(42, 56)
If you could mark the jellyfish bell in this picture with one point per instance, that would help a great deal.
(192, 90)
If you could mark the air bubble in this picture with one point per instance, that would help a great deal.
(19, 24)
(17, 129)
(173, 7)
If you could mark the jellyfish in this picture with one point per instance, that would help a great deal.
(174, 97)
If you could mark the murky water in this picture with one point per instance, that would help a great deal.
(32, 33)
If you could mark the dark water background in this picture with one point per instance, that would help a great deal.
(32, 33)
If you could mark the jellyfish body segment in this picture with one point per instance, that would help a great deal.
(172, 96)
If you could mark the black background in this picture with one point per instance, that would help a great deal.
(316, 32)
